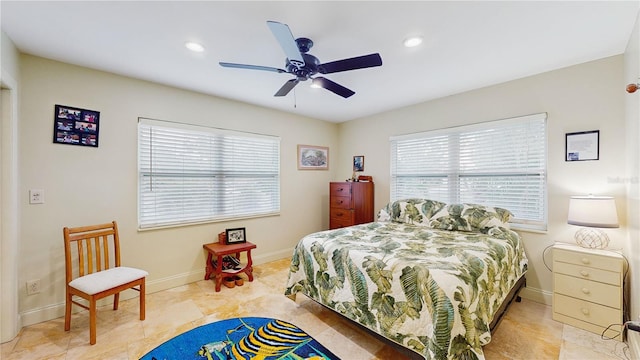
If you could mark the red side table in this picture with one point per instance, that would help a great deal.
(219, 251)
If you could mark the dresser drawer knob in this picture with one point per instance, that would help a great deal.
(586, 291)
(585, 261)
(584, 273)
(585, 311)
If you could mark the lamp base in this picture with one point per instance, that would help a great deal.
(591, 238)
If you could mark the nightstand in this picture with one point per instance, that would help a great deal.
(588, 288)
(218, 251)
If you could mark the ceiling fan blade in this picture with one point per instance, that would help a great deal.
(287, 42)
(359, 62)
(284, 90)
(332, 86)
(252, 67)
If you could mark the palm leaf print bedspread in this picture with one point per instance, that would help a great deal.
(433, 291)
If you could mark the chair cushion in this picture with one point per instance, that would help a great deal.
(107, 279)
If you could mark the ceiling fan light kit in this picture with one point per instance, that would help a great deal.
(305, 66)
(412, 41)
(194, 46)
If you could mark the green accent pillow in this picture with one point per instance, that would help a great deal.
(471, 217)
(410, 211)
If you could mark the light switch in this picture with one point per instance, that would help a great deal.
(36, 196)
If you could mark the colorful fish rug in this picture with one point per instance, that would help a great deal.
(242, 338)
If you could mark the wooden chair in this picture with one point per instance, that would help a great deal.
(93, 271)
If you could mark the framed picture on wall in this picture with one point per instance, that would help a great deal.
(313, 157)
(76, 126)
(581, 146)
(358, 163)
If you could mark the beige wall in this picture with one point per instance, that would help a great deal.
(93, 185)
(632, 110)
(577, 98)
(9, 222)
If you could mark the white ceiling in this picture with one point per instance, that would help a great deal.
(467, 45)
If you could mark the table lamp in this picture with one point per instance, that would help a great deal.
(592, 213)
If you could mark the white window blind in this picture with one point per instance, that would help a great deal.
(190, 174)
(499, 163)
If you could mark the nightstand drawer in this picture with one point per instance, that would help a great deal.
(586, 311)
(584, 272)
(584, 258)
(341, 202)
(595, 292)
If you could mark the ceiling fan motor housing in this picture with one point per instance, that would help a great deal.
(309, 69)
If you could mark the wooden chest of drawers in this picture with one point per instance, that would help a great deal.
(350, 203)
(588, 289)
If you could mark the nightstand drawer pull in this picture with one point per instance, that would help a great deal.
(585, 311)
(584, 273)
(585, 261)
(586, 291)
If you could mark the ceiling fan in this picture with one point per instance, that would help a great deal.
(304, 66)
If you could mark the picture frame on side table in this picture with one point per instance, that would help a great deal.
(582, 146)
(312, 157)
(236, 236)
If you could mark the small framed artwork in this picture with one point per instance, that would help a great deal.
(236, 236)
(76, 126)
(358, 163)
(581, 146)
(313, 157)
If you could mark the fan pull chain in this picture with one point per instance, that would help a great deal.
(295, 99)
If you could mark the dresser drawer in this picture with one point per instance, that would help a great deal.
(586, 311)
(592, 291)
(583, 258)
(339, 189)
(341, 214)
(585, 272)
(339, 223)
(341, 202)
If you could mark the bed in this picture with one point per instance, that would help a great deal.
(428, 276)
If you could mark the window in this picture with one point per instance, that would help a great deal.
(499, 163)
(190, 174)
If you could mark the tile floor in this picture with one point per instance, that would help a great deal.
(526, 332)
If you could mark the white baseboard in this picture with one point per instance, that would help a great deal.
(55, 311)
(537, 295)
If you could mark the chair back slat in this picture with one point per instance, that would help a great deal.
(95, 245)
(105, 246)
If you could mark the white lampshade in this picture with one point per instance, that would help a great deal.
(593, 211)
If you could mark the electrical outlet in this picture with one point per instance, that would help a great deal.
(36, 196)
(33, 286)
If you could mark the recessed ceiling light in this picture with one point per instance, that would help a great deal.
(413, 41)
(194, 46)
